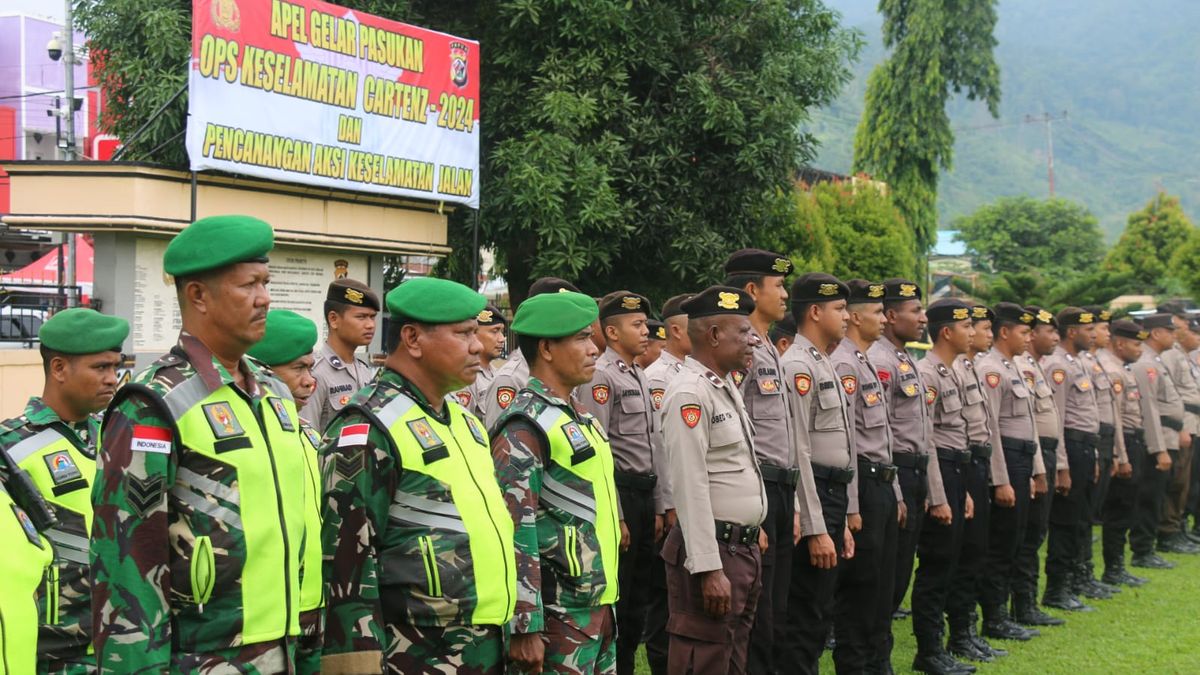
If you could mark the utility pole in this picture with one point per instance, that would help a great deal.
(69, 87)
(1048, 120)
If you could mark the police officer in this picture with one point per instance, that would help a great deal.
(908, 414)
(350, 310)
(512, 376)
(825, 460)
(1172, 537)
(54, 443)
(1050, 473)
(491, 335)
(194, 498)
(1156, 382)
(654, 348)
(1104, 371)
(1079, 416)
(24, 568)
(286, 348)
(659, 376)
(619, 397)
(864, 594)
(713, 582)
(555, 467)
(762, 275)
(1011, 423)
(1121, 499)
(417, 539)
(1189, 342)
(986, 468)
(783, 332)
(939, 544)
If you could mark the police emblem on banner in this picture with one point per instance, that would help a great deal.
(458, 64)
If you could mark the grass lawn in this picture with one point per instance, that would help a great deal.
(1152, 629)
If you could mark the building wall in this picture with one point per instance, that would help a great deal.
(20, 378)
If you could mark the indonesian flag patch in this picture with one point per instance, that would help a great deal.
(353, 434)
(151, 439)
(690, 413)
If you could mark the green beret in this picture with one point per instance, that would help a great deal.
(555, 315)
(83, 331)
(288, 337)
(214, 242)
(432, 300)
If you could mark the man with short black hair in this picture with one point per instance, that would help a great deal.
(491, 335)
(350, 310)
(1172, 533)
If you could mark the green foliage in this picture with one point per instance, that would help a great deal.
(1053, 291)
(904, 137)
(1015, 234)
(1185, 264)
(1151, 237)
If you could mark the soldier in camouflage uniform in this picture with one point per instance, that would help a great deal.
(286, 348)
(197, 533)
(418, 542)
(54, 443)
(556, 468)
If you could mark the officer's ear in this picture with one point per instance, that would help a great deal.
(410, 339)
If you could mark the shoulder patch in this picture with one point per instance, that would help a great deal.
(463, 397)
(425, 435)
(143, 494)
(656, 397)
(1151, 373)
(803, 383)
(285, 420)
(575, 436)
(220, 418)
(150, 439)
(690, 412)
(931, 394)
(1058, 375)
(27, 527)
(600, 393)
(353, 434)
(62, 468)
(476, 430)
(885, 376)
(505, 396)
(313, 436)
(993, 379)
(850, 384)
(347, 466)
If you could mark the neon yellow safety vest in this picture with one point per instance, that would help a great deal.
(312, 588)
(26, 559)
(447, 503)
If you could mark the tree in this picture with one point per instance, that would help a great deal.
(1151, 237)
(939, 49)
(624, 143)
(1016, 234)
(870, 238)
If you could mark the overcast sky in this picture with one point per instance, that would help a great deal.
(50, 9)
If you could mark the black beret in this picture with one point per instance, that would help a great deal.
(352, 292)
(1194, 324)
(1099, 314)
(623, 302)
(785, 327)
(948, 310)
(658, 329)
(491, 316)
(899, 290)
(818, 287)
(863, 291)
(1041, 317)
(674, 305)
(757, 261)
(717, 300)
(551, 285)
(1075, 316)
(982, 313)
(1128, 329)
(1010, 312)
(1159, 320)
(1173, 307)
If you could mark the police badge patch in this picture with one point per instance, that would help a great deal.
(656, 397)
(220, 418)
(600, 393)
(691, 414)
(1058, 375)
(463, 398)
(62, 467)
(992, 379)
(850, 384)
(504, 396)
(803, 383)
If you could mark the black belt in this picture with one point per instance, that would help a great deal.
(1192, 408)
(884, 473)
(956, 456)
(635, 481)
(1136, 434)
(1048, 444)
(732, 533)
(1077, 436)
(981, 450)
(778, 474)
(1019, 445)
(831, 473)
(1107, 430)
(1171, 423)
(908, 460)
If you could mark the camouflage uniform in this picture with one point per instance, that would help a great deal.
(162, 507)
(401, 590)
(64, 600)
(312, 618)
(562, 589)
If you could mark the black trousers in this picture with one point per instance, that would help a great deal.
(1026, 566)
(1068, 515)
(1152, 489)
(635, 571)
(964, 590)
(938, 550)
(658, 640)
(863, 611)
(1193, 500)
(1005, 532)
(811, 594)
(914, 485)
(1120, 504)
(1104, 457)
(771, 614)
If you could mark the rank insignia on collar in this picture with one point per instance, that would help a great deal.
(463, 398)
(850, 384)
(656, 397)
(220, 418)
(336, 362)
(600, 393)
(992, 379)
(505, 396)
(62, 467)
(476, 430)
(860, 356)
(285, 420)
(930, 395)
(943, 370)
(622, 366)
(690, 412)
(1058, 375)
(803, 383)
(815, 354)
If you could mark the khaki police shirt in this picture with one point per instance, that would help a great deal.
(1010, 404)
(944, 395)
(761, 387)
(1162, 388)
(976, 408)
(506, 382)
(1110, 384)
(908, 411)
(1074, 392)
(1183, 374)
(468, 397)
(1141, 407)
(1045, 415)
(870, 434)
(711, 457)
(659, 376)
(337, 382)
(819, 423)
